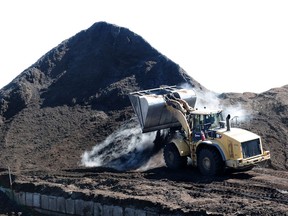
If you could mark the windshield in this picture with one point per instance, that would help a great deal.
(207, 121)
(214, 119)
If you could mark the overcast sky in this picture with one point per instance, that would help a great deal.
(228, 46)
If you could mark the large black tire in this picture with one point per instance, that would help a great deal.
(172, 157)
(210, 162)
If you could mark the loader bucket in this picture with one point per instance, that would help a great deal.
(150, 107)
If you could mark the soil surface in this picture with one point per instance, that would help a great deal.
(185, 192)
(70, 111)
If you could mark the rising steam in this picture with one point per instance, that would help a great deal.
(211, 100)
(125, 149)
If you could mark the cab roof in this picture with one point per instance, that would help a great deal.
(205, 111)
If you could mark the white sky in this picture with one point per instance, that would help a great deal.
(228, 46)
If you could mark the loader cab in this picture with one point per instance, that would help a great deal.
(207, 122)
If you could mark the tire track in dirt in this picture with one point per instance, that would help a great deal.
(257, 192)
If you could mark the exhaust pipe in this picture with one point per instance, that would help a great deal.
(228, 122)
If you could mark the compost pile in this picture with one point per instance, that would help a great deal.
(70, 109)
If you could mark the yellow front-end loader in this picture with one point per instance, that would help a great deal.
(201, 135)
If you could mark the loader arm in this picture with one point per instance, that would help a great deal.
(179, 109)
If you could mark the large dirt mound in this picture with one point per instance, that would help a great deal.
(76, 95)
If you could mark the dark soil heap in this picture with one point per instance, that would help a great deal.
(76, 95)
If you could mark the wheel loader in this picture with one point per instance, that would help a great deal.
(199, 134)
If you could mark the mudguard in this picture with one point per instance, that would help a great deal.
(208, 143)
(182, 146)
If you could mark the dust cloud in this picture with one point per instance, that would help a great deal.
(125, 149)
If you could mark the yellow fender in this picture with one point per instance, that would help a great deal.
(182, 147)
(215, 145)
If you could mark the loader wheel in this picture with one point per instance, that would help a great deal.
(209, 162)
(172, 157)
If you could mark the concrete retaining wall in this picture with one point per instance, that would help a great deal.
(54, 205)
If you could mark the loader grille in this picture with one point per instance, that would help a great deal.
(251, 148)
